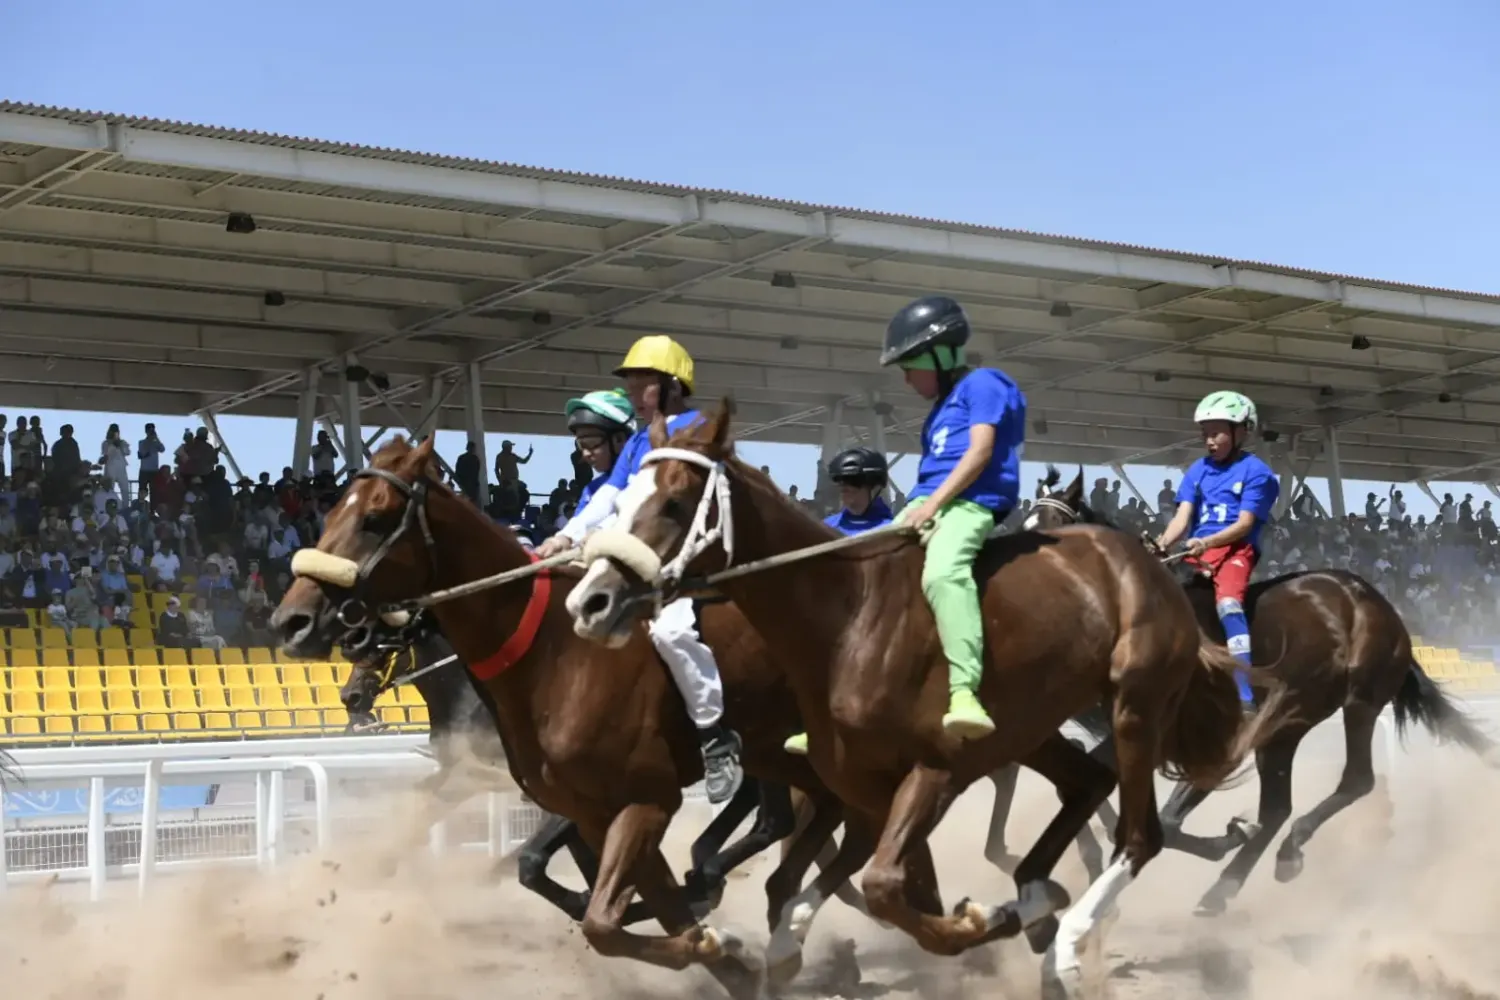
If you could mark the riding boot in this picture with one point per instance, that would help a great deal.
(722, 773)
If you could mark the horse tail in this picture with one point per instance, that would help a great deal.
(1420, 700)
(1211, 737)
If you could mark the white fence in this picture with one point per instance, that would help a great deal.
(262, 802)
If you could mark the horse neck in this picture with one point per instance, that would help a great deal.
(810, 603)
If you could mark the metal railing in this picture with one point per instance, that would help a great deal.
(264, 802)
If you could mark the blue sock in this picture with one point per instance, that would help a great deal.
(1237, 632)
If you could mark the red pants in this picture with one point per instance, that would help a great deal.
(1230, 567)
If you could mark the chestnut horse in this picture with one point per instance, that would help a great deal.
(600, 737)
(1072, 618)
(1340, 645)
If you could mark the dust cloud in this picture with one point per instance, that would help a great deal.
(1399, 900)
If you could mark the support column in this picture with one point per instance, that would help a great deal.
(307, 418)
(354, 442)
(474, 423)
(213, 431)
(833, 441)
(1335, 473)
(334, 437)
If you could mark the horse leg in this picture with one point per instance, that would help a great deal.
(532, 859)
(1180, 804)
(1357, 781)
(712, 862)
(806, 808)
(1082, 784)
(1139, 839)
(791, 923)
(1274, 762)
(632, 862)
(1005, 796)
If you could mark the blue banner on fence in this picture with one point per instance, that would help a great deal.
(75, 801)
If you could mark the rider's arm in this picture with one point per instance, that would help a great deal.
(600, 506)
(1178, 526)
(1236, 532)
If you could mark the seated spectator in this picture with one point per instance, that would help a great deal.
(58, 577)
(257, 618)
(57, 614)
(82, 602)
(114, 583)
(165, 568)
(172, 627)
(116, 611)
(202, 629)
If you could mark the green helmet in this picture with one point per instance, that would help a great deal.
(1229, 406)
(608, 410)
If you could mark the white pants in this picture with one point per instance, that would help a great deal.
(675, 636)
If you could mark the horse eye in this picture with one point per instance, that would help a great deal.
(672, 508)
(372, 522)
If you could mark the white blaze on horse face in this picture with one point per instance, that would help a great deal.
(1032, 520)
(634, 496)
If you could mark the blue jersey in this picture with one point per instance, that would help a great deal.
(849, 523)
(1219, 493)
(984, 396)
(588, 491)
(639, 445)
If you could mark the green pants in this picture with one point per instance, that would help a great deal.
(948, 584)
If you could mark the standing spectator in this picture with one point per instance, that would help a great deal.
(148, 452)
(508, 463)
(114, 456)
(325, 456)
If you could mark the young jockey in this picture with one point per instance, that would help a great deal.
(861, 475)
(658, 377)
(601, 422)
(1231, 492)
(967, 482)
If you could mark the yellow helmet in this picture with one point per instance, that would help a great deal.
(660, 353)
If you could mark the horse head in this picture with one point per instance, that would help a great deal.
(675, 515)
(1055, 508)
(377, 550)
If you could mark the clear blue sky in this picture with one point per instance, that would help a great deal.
(1351, 137)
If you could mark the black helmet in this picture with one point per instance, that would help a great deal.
(859, 467)
(933, 321)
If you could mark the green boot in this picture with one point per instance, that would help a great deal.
(966, 718)
(796, 744)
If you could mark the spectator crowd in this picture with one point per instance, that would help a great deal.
(73, 529)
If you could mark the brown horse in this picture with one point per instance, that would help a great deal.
(1339, 644)
(1071, 619)
(600, 737)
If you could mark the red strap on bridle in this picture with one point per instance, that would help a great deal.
(520, 642)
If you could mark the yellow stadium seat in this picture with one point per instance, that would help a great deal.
(55, 657)
(55, 702)
(34, 617)
(212, 697)
(282, 657)
(24, 658)
(148, 677)
(309, 719)
(124, 724)
(85, 638)
(202, 657)
(54, 638)
(92, 725)
(120, 701)
(156, 723)
(320, 673)
(152, 700)
(242, 697)
(278, 719)
(58, 725)
(25, 703)
(118, 677)
(26, 726)
(85, 657)
(24, 679)
(418, 714)
(259, 655)
(141, 638)
(393, 715)
(182, 699)
(208, 676)
(147, 657)
(173, 657)
(112, 638)
(247, 720)
(294, 674)
(271, 696)
(90, 701)
(341, 672)
(179, 676)
(218, 720)
(300, 696)
(22, 638)
(56, 679)
(327, 696)
(90, 678)
(236, 676)
(264, 675)
(231, 656)
(386, 698)
(187, 722)
(407, 694)
(140, 619)
(157, 601)
(136, 580)
(115, 657)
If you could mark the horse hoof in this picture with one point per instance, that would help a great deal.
(1243, 830)
(1288, 867)
(781, 971)
(1210, 906)
(1061, 984)
(1041, 934)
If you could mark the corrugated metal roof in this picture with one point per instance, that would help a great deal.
(78, 116)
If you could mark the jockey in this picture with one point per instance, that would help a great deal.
(967, 482)
(601, 422)
(658, 376)
(861, 475)
(1224, 498)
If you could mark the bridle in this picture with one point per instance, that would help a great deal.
(1051, 503)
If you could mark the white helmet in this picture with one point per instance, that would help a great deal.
(1230, 406)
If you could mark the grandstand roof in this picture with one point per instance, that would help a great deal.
(121, 289)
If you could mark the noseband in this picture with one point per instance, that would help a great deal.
(1056, 505)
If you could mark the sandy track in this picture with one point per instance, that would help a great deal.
(1399, 906)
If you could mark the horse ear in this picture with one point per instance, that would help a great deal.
(1075, 488)
(717, 431)
(1053, 476)
(657, 435)
(420, 459)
